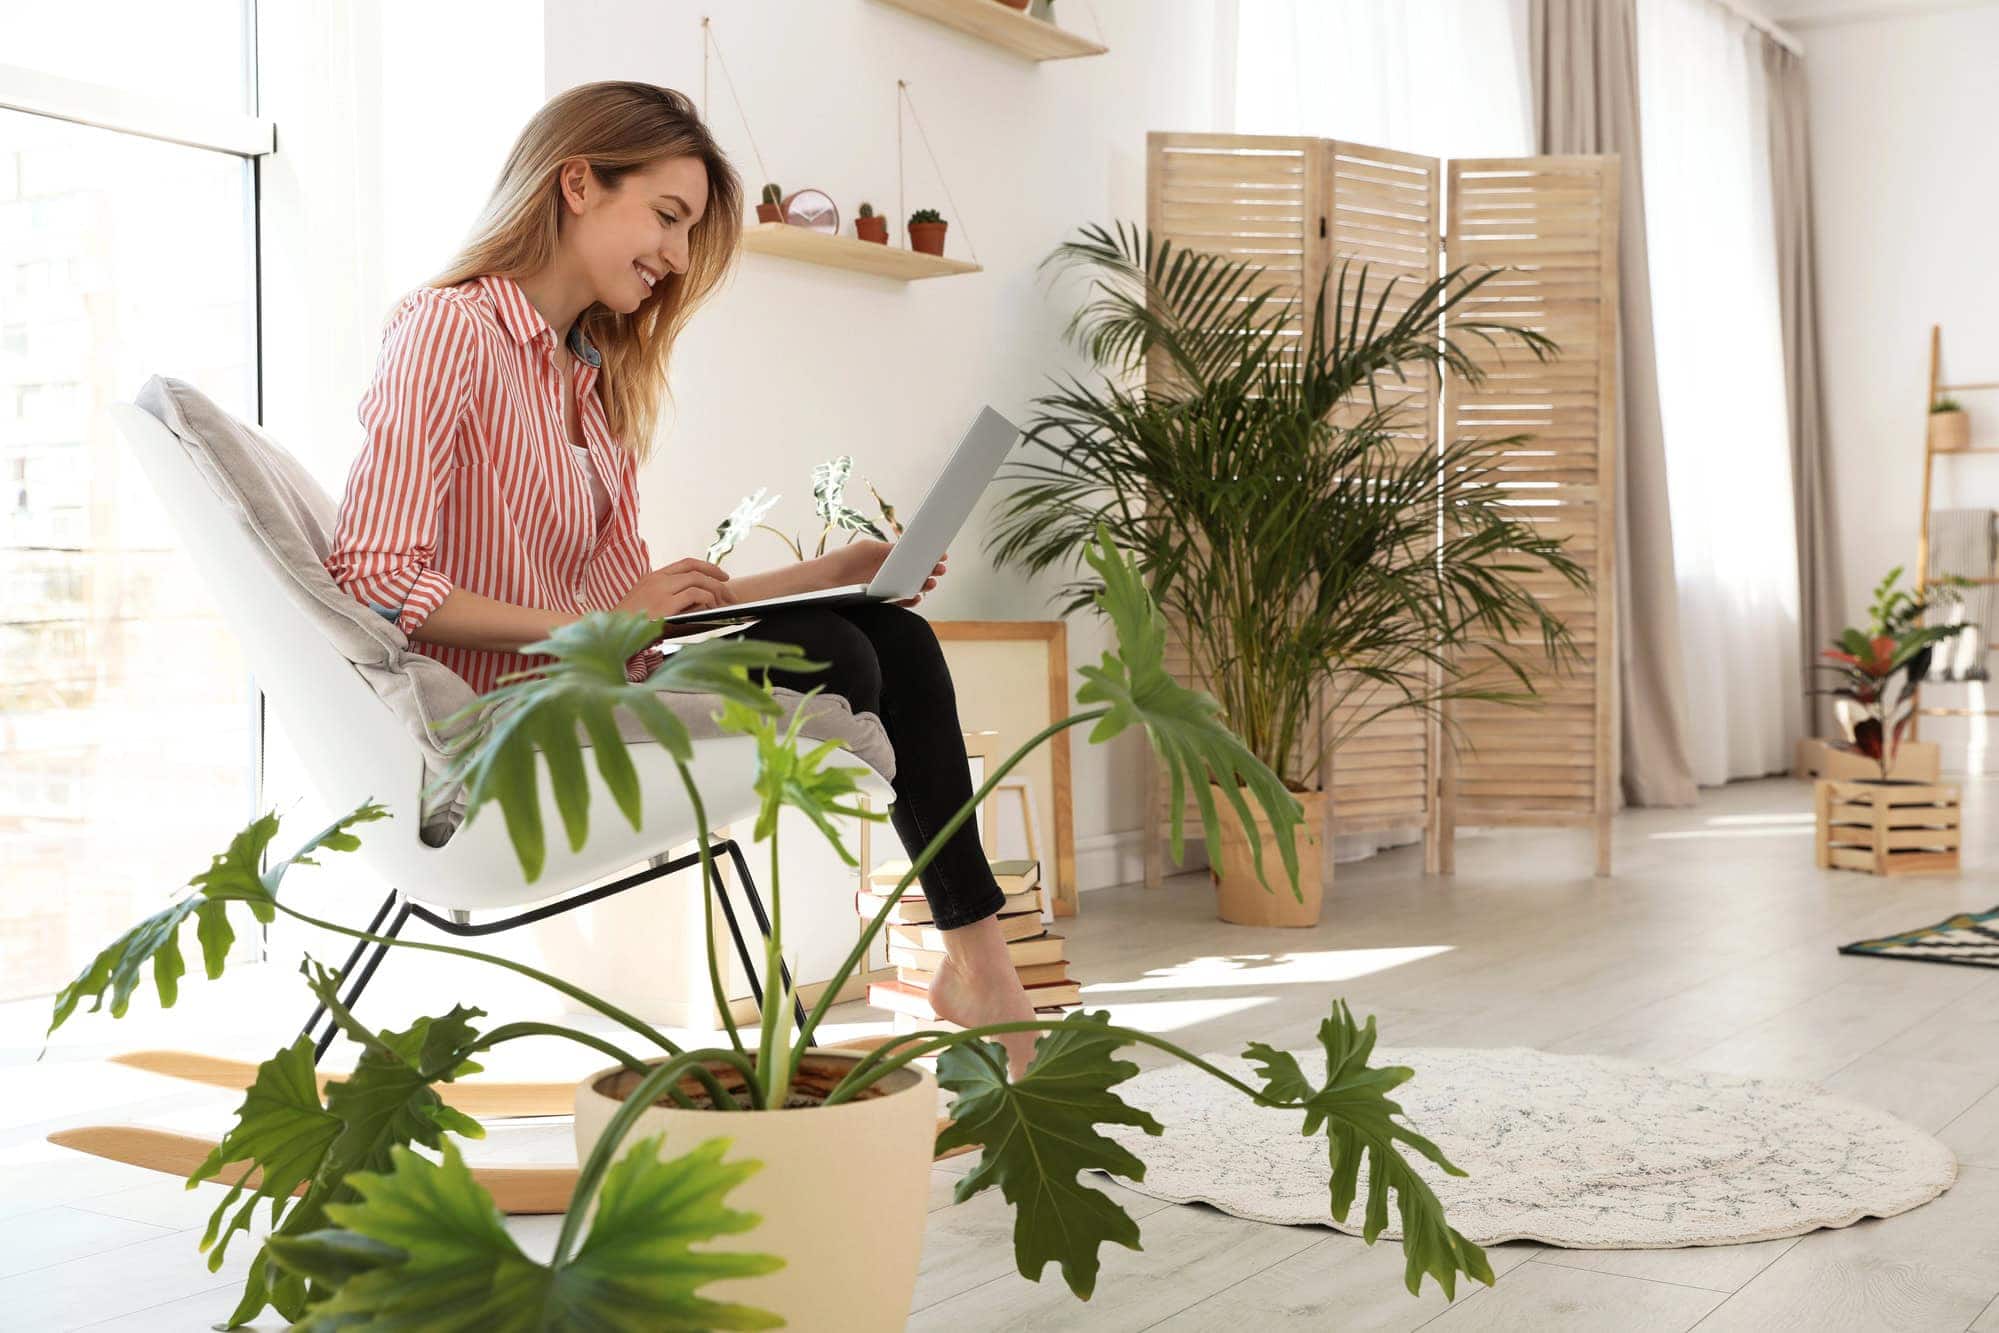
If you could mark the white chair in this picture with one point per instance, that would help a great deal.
(357, 748)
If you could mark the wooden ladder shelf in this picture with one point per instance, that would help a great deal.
(1938, 389)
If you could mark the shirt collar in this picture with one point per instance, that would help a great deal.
(519, 318)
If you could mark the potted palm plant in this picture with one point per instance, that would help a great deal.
(1305, 556)
(382, 1236)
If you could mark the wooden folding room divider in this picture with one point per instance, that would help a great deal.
(1300, 207)
(1551, 224)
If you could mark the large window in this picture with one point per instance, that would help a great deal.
(127, 744)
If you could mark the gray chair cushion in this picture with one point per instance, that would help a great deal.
(293, 520)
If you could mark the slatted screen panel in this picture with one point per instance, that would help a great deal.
(1551, 223)
(1296, 206)
(1252, 198)
(1385, 215)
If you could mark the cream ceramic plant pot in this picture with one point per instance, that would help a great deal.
(843, 1193)
(1240, 898)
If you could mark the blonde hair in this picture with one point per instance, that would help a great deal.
(616, 126)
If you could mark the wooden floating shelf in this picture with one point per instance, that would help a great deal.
(1005, 27)
(883, 261)
(1951, 453)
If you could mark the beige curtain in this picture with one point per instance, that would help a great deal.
(1584, 59)
(1820, 614)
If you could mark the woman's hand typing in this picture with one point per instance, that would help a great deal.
(684, 585)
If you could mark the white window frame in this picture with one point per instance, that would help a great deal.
(104, 107)
(236, 133)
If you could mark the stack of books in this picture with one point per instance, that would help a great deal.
(916, 946)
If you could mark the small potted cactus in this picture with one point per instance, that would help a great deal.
(871, 226)
(1950, 426)
(771, 207)
(926, 231)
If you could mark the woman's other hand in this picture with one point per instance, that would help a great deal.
(861, 560)
(684, 585)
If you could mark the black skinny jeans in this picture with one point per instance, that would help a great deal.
(884, 659)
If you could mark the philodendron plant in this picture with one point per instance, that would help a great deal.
(383, 1234)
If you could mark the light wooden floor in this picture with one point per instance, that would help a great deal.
(1713, 946)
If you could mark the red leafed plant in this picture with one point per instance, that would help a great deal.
(1879, 667)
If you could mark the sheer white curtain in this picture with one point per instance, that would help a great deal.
(1719, 340)
(1446, 78)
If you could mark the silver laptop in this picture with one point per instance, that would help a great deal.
(938, 519)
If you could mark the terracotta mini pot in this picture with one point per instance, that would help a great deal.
(872, 229)
(1950, 431)
(770, 212)
(844, 1190)
(1240, 898)
(927, 237)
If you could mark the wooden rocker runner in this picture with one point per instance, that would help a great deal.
(516, 1190)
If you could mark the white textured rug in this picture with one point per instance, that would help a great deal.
(1569, 1150)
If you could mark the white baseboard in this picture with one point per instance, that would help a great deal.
(1110, 859)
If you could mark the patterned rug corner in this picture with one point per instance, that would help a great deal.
(1969, 939)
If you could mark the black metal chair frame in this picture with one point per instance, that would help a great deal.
(403, 909)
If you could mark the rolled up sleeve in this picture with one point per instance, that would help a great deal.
(385, 542)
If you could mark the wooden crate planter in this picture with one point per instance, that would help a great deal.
(1887, 828)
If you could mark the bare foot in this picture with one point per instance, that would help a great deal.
(974, 1002)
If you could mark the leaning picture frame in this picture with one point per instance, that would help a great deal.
(995, 666)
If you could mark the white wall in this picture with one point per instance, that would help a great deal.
(794, 363)
(1906, 192)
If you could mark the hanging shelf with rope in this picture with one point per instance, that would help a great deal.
(805, 245)
(1006, 27)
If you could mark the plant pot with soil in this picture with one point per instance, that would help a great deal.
(926, 231)
(770, 207)
(871, 226)
(843, 1191)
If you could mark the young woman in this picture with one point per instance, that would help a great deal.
(495, 497)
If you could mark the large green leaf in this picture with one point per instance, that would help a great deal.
(1039, 1135)
(585, 686)
(387, 1103)
(237, 875)
(1353, 1108)
(804, 781)
(1184, 726)
(423, 1248)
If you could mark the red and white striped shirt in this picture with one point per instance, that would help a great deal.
(466, 480)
